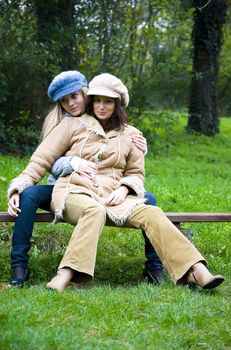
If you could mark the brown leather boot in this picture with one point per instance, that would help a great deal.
(200, 275)
(61, 280)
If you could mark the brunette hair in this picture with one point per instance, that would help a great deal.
(56, 115)
(118, 118)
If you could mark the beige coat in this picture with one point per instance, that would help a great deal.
(119, 162)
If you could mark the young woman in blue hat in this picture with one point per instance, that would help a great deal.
(115, 192)
(68, 89)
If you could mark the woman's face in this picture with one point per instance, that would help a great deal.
(103, 107)
(73, 103)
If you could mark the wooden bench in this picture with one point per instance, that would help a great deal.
(176, 218)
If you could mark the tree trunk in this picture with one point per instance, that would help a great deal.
(207, 39)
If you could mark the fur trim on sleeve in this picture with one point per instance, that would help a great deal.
(19, 184)
(134, 183)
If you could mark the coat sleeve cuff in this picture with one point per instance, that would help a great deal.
(19, 184)
(134, 183)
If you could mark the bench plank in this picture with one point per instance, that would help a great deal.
(176, 218)
(199, 217)
(40, 217)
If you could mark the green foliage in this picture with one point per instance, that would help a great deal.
(154, 122)
(136, 41)
(19, 138)
(146, 43)
(26, 68)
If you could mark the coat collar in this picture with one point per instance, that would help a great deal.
(92, 124)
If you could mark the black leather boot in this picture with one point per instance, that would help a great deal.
(20, 277)
(154, 276)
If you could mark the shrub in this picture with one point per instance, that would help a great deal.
(153, 123)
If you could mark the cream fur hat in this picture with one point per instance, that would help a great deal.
(108, 85)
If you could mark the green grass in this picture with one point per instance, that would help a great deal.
(187, 173)
(122, 318)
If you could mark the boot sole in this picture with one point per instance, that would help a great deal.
(214, 283)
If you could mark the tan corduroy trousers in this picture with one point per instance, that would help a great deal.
(175, 251)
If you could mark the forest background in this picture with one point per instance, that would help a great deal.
(149, 44)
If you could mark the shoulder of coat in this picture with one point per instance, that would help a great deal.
(71, 121)
(129, 129)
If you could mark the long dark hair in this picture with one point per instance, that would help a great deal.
(118, 118)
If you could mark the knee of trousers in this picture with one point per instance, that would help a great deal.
(150, 217)
(28, 197)
(153, 211)
(97, 211)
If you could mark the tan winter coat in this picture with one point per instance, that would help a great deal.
(119, 162)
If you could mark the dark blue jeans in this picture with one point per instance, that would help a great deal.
(39, 196)
(31, 199)
(153, 262)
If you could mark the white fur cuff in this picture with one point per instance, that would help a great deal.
(19, 184)
(134, 183)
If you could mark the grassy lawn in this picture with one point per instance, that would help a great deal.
(119, 311)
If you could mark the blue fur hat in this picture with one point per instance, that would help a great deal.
(66, 83)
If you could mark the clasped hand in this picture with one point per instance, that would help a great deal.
(117, 196)
(84, 167)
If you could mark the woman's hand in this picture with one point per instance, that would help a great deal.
(117, 197)
(88, 168)
(140, 142)
(13, 205)
(83, 166)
